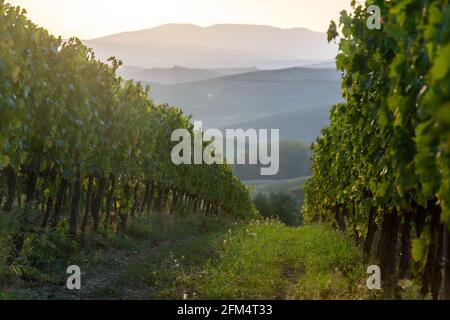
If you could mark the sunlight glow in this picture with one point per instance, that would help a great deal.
(89, 19)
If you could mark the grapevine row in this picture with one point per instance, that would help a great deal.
(382, 167)
(84, 146)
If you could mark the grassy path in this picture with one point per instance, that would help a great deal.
(141, 265)
(100, 279)
(183, 259)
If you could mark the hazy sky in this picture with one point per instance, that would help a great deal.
(93, 18)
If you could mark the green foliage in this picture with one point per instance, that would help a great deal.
(387, 145)
(175, 248)
(51, 249)
(67, 117)
(293, 186)
(91, 151)
(31, 254)
(14, 226)
(266, 260)
(141, 228)
(279, 205)
(5, 295)
(254, 260)
(5, 247)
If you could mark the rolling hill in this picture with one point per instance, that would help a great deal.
(294, 100)
(177, 74)
(286, 185)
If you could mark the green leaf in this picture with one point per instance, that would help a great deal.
(4, 161)
(332, 31)
(419, 249)
(15, 74)
(442, 114)
(441, 65)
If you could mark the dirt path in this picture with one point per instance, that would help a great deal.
(99, 278)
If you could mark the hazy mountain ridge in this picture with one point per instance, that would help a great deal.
(217, 46)
(177, 74)
(323, 65)
(234, 76)
(285, 43)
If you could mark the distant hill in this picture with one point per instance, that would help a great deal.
(217, 46)
(232, 71)
(295, 100)
(177, 74)
(295, 161)
(324, 65)
(294, 185)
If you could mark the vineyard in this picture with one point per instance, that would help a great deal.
(382, 167)
(86, 156)
(86, 149)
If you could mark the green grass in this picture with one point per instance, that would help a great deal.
(182, 244)
(266, 260)
(257, 260)
(190, 258)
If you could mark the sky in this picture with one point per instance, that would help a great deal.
(88, 19)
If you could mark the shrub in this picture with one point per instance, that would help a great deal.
(280, 205)
(5, 245)
(51, 248)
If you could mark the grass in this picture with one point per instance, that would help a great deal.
(257, 260)
(266, 260)
(170, 248)
(190, 258)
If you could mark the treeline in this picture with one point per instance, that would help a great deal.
(280, 205)
(82, 145)
(382, 167)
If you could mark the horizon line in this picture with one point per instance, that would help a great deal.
(201, 27)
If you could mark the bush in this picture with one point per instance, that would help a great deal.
(5, 245)
(26, 250)
(13, 228)
(51, 248)
(280, 205)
